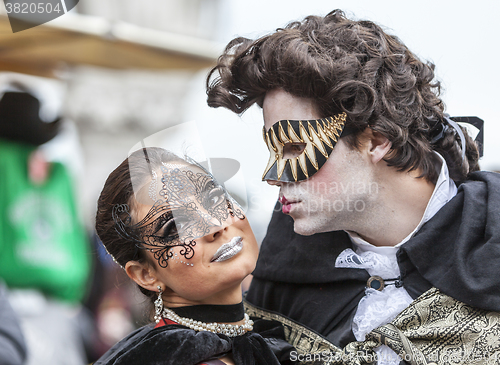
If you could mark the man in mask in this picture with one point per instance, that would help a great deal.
(360, 145)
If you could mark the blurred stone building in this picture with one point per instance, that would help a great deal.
(114, 109)
(197, 18)
(127, 69)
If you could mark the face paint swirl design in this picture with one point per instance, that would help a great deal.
(306, 143)
(189, 205)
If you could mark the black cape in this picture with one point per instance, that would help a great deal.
(457, 251)
(178, 345)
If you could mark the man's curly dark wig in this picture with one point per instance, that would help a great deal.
(350, 66)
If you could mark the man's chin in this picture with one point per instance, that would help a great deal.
(307, 226)
(304, 233)
(303, 228)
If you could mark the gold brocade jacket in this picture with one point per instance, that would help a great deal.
(434, 329)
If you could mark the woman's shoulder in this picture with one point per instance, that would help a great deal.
(169, 344)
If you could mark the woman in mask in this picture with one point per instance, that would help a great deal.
(187, 244)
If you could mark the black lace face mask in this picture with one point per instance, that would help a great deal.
(187, 203)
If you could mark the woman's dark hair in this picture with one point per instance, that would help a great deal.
(353, 67)
(135, 171)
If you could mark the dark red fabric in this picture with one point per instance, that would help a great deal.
(164, 322)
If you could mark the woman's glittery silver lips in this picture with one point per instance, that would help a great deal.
(228, 250)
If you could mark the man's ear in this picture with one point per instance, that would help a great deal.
(143, 274)
(378, 145)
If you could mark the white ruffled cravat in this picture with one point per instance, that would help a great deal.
(376, 308)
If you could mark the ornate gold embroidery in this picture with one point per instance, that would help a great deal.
(446, 331)
(303, 339)
(434, 329)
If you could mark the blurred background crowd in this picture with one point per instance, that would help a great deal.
(78, 92)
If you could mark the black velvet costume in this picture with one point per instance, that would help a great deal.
(456, 251)
(174, 344)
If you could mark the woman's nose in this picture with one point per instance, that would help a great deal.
(218, 232)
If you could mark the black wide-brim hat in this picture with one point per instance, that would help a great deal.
(20, 119)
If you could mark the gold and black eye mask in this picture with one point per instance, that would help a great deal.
(300, 147)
